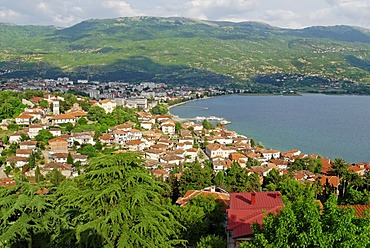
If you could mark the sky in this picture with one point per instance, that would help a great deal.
(280, 13)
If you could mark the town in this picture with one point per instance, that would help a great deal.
(56, 134)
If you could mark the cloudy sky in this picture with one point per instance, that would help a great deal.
(281, 13)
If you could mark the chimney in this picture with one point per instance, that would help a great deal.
(277, 196)
(253, 198)
(213, 188)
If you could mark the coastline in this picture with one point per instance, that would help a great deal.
(307, 147)
(185, 102)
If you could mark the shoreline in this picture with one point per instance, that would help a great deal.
(238, 132)
(192, 100)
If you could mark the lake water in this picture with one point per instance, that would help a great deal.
(331, 126)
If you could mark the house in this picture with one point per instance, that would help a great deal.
(246, 209)
(161, 173)
(141, 103)
(146, 124)
(270, 154)
(197, 127)
(17, 136)
(124, 127)
(238, 158)
(34, 130)
(60, 157)
(56, 132)
(81, 138)
(107, 105)
(171, 159)
(79, 158)
(58, 145)
(220, 164)
(106, 139)
(359, 209)
(7, 182)
(120, 136)
(17, 161)
(63, 119)
(23, 119)
(191, 154)
(360, 169)
(161, 118)
(168, 128)
(331, 181)
(217, 193)
(65, 169)
(23, 153)
(78, 114)
(216, 150)
(135, 145)
(134, 134)
(145, 117)
(153, 154)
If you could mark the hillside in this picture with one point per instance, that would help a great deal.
(181, 50)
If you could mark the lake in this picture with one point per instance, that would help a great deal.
(331, 126)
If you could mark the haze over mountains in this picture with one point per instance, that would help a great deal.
(181, 50)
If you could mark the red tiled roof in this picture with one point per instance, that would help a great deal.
(246, 209)
(7, 182)
(63, 117)
(218, 193)
(24, 116)
(134, 142)
(359, 209)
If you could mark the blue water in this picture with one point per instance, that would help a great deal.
(331, 126)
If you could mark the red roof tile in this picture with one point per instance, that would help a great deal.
(251, 207)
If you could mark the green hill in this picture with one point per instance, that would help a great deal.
(181, 50)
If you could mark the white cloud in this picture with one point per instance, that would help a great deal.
(347, 12)
(282, 13)
(6, 14)
(219, 9)
(120, 7)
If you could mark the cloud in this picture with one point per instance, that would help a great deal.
(219, 9)
(282, 13)
(350, 12)
(120, 7)
(283, 18)
(6, 14)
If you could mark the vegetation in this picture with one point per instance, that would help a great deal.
(302, 224)
(180, 50)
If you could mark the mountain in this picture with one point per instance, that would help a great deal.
(182, 50)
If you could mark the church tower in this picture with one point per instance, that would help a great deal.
(56, 108)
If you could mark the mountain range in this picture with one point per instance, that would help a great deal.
(181, 50)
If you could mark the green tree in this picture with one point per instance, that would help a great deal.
(28, 219)
(31, 161)
(202, 216)
(69, 159)
(87, 149)
(159, 109)
(43, 104)
(207, 125)
(55, 177)
(82, 121)
(340, 168)
(95, 113)
(212, 241)
(44, 136)
(178, 127)
(38, 176)
(116, 203)
(195, 177)
(310, 164)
